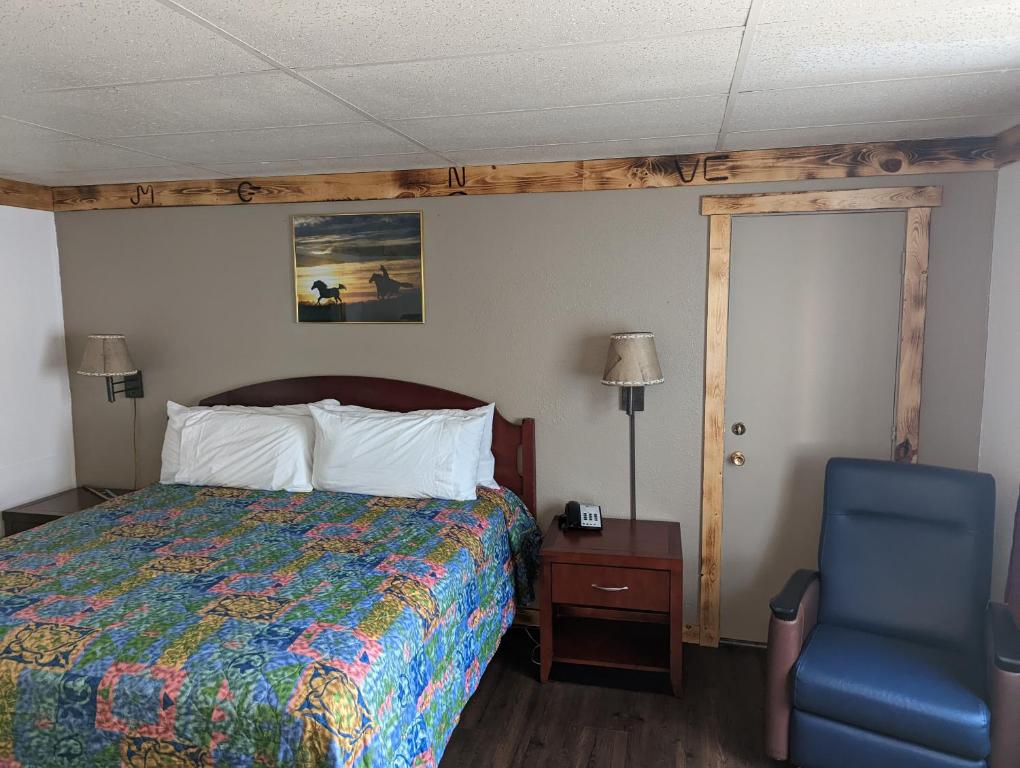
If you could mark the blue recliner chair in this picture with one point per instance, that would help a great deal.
(889, 655)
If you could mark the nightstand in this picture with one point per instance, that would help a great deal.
(614, 598)
(45, 510)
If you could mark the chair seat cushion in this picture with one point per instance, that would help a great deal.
(816, 741)
(894, 687)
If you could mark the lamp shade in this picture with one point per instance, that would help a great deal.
(632, 361)
(106, 354)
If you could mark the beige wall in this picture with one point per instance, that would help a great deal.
(522, 292)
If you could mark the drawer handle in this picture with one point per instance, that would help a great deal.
(610, 589)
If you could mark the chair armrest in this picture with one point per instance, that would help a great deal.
(1005, 638)
(799, 602)
(786, 605)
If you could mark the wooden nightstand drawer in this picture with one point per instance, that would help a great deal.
(638, 589)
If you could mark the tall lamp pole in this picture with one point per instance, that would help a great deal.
(632, 364)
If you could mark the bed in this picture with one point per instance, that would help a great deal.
(199, 626)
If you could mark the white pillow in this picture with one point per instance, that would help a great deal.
(267, 452)
(176, 415)
(397, 454)
(486, 459)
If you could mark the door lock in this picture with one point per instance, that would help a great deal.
(738, 428)
(737, 459)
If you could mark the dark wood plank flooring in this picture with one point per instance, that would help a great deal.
(591, 718)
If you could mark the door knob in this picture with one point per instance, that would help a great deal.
(737, 459)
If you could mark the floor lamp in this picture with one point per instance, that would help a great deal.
(632, 364)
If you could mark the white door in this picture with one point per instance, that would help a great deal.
(811, 363)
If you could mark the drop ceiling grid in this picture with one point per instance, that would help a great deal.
(54, 143)
(506, 81)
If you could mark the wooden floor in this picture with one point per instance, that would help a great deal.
(588, 718)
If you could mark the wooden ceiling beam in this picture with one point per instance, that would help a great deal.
(21, 194)
(840, 201)
(1007, 147)
(836, 161)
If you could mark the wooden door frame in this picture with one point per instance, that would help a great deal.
(917, 202)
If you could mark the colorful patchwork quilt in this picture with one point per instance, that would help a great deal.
(181, 626)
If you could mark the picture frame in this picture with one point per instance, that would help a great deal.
(359, 267)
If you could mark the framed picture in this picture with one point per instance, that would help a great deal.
(359, 268)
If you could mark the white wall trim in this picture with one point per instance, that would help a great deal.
(999, 450)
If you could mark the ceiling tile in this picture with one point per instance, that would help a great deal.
(551, 78)
(788, 10)
(548, 153)
(70, 43)
(984, 94)
(964, 37)
(13, 175)
(853, 134)
(338, 140)
(543, 81)
(124, 176)
(672, 117)
(32, 155)
(334, 165)
(12, 130)
(315, 33)
(249, 101)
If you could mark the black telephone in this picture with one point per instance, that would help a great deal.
(581, 517)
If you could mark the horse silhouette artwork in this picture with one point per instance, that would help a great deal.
(386, 286)
(335, 310)
(373, 253)
(326, 292)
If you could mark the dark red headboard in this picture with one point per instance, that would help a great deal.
(513, 445)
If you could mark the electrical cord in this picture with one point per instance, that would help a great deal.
(535, 649)
(134, 443)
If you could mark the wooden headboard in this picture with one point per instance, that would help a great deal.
(513, 445)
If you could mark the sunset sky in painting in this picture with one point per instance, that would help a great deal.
(347, 249)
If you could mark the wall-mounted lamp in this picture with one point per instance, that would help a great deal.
(106, 354)
(632, 364)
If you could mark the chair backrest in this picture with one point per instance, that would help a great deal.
(906, 551)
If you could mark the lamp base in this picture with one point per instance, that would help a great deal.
(130, 386)
(632, 399)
